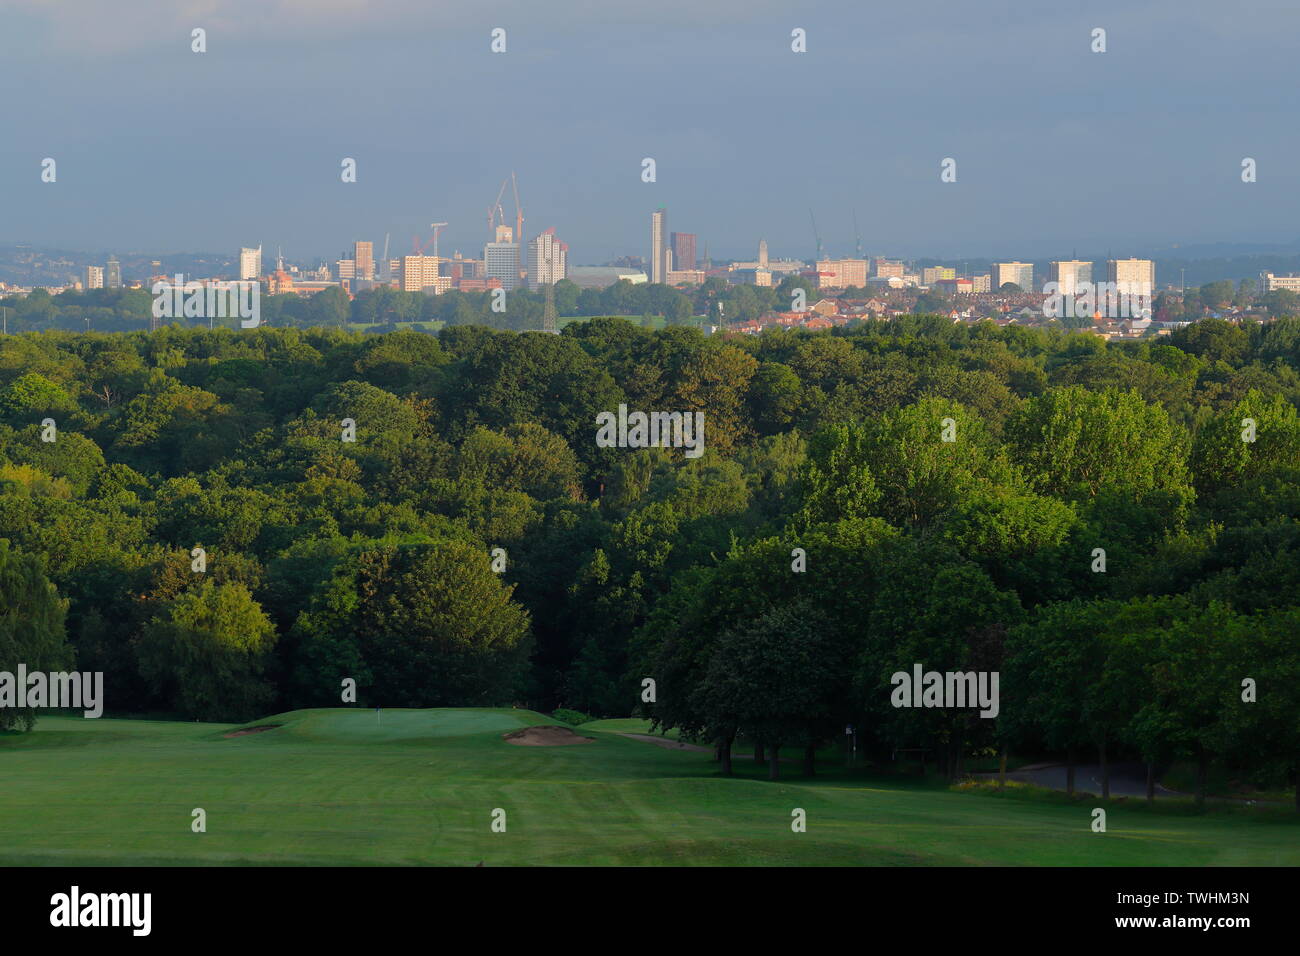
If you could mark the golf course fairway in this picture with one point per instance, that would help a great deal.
(420, 787)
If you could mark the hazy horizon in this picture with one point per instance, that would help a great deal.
(1057, 148)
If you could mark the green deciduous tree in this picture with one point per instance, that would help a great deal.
(31, 626)
(431, 623)
(207, 651)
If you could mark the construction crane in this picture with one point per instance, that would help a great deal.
(519, 212)
(437, 228)
(816, 234)
(519, 224)
(421, 246)
(494, 209)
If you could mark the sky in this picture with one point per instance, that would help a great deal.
(1057, 148)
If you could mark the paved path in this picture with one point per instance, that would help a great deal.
(1126, 779)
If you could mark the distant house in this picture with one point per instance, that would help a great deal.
(786, 319)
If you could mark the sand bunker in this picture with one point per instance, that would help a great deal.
(547, 736)
(260, 728)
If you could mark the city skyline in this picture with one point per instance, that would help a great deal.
(349, 251)
(546, 264)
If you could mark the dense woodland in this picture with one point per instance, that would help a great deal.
(371, 559)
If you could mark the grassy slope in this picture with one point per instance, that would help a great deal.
(418, 786)
(625, 725)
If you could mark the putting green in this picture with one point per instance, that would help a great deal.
(420, 787)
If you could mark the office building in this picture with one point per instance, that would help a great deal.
(363, 254)
(658, 248)
(750, 276)
(113, 273)
(1021, 273)
(419, 273)
(684, 250)
(1071, 275)
(547, 260)
(840, 273)
(1273, 283)
(1132, 276)
(501, 259)
(250, 264)
(462, 268)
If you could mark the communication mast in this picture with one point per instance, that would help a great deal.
(548, 313)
